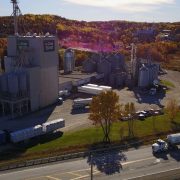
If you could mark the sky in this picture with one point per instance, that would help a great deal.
(100, 10)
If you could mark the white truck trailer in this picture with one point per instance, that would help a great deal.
(81, 103)
(161, 146)
(90, 90)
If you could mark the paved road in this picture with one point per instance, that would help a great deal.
(120, 165)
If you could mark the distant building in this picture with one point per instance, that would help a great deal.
(145, 35)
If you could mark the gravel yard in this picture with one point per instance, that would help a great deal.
(78, 120)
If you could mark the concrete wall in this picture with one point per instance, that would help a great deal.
(49, 86)
(34, 88)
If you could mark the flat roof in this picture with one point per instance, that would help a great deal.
(74, 76)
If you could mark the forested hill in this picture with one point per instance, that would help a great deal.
(107, 36)
(111, 32)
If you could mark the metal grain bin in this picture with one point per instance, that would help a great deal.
(69, 61)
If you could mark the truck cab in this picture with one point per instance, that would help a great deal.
(159, 146)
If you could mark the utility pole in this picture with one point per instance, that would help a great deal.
(91, 166)
(15, 14)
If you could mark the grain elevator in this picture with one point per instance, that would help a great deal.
(31, 72)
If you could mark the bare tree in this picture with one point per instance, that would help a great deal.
(104, 110)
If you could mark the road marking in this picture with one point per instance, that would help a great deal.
(94, 173)
(80, 177)
(76, 174)
(140, 177)
(131, 162)
(53, 178)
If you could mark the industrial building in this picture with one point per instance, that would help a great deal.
(112, 66)
(31, 79)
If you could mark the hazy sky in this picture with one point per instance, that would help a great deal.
(94, 10)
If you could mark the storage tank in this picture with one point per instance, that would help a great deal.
(112, 80)
(89, 66)
(153, 73)
(13, 85)
(143, 77)
(3, 83)
(104, 67)
(117, 62)
(69, 61)
(120, 79)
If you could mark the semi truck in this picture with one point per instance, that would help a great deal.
(172, 142)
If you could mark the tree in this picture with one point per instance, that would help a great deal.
(172, 109)
(154, 123)
(129, 110)
(104, 110)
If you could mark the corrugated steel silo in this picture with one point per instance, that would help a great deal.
(69, 61)
(112, 80)
(153, 73)
(120, 79)
(143, 77)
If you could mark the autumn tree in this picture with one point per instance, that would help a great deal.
(129, 110)
(172, 109)
(104, 110)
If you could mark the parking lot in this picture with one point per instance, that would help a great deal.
(75, 120)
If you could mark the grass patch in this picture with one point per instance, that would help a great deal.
(83, 139)
(167, 83)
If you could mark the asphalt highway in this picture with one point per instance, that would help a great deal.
(132, 164)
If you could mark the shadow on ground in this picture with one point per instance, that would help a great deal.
(18, 149)
(108, 158)
(28, 120)
(80, 111)
(144, 97)
(107, 162)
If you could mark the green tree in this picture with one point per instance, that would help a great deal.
(129, 110)
(104, 110)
